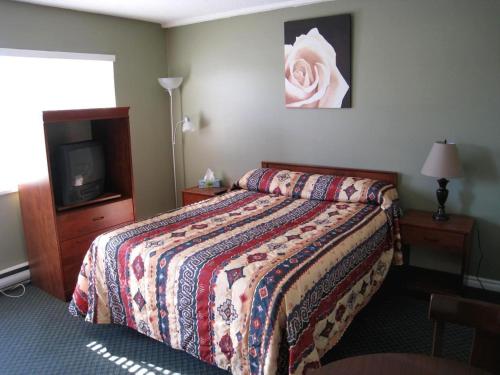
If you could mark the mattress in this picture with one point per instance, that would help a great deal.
(251, 281)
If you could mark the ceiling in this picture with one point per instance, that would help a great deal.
(170, 13)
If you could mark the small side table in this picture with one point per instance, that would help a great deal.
(196, 194)
(453, 236)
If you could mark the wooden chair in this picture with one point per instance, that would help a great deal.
(482, 316)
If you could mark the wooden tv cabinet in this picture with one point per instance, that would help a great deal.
(57, 238)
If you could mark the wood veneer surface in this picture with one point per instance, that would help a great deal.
(423, 219)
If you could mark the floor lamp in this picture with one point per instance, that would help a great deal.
(170, 84)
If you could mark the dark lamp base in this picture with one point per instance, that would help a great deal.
(440, 215)
(441, 194)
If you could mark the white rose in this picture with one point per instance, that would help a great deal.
(312, 79)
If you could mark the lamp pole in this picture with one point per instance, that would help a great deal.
(170, 91)
(170, 84)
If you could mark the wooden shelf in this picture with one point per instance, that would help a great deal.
(57, 238)
(102, 198)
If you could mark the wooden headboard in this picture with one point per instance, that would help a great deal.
(391, 177)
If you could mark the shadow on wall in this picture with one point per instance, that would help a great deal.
(227, 180)
(421, 199)
(12, 245)
(203, 122)
(479, 166)
(484, 249)
(184, 73)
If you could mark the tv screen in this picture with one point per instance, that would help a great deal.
(79, 172)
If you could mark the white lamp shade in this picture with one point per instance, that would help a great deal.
(187, 125)
(443, 161)
(170, 83)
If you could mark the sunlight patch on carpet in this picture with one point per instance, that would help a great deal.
(142, 368)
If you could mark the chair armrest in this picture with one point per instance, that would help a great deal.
(480, 315)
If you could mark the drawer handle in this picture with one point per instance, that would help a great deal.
(97, 218)
(431, 239)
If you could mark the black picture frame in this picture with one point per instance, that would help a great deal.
(336, 30)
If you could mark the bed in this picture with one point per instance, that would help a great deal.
(264, 279)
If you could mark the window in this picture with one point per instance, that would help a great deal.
(35, 81)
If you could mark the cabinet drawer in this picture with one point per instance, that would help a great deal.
(428, 237)
(72, 253)
(189, 198)
(84, 221)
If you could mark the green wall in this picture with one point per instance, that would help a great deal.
(140, 59)
(422, 71)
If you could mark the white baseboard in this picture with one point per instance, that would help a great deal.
(15, 277)
(481, 282)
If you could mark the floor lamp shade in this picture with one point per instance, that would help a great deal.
(170, 83)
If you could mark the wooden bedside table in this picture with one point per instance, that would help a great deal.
(453, 236)
(196, 194)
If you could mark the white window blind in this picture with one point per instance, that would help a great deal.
(35, 81)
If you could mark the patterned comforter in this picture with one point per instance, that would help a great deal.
(250, 281)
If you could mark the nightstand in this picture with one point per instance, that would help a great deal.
(196, 194)
(418, 228)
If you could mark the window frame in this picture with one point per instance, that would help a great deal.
(14, 52)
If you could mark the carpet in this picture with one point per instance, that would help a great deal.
(38, 336)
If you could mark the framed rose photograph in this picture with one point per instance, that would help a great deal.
(318, 62)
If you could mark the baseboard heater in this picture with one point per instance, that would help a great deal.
(14, 275)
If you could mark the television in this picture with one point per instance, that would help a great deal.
(79, 172)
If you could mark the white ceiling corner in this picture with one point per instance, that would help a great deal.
(171, 13)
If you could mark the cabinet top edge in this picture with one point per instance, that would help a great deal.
(423, 219)
(85, 114)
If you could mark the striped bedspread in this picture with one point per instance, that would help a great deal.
(252, 282)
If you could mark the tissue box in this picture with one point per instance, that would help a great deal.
(208, 184)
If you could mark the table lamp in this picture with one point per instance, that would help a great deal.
(442, 162)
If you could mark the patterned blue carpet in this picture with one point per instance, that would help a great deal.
(37, 335)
